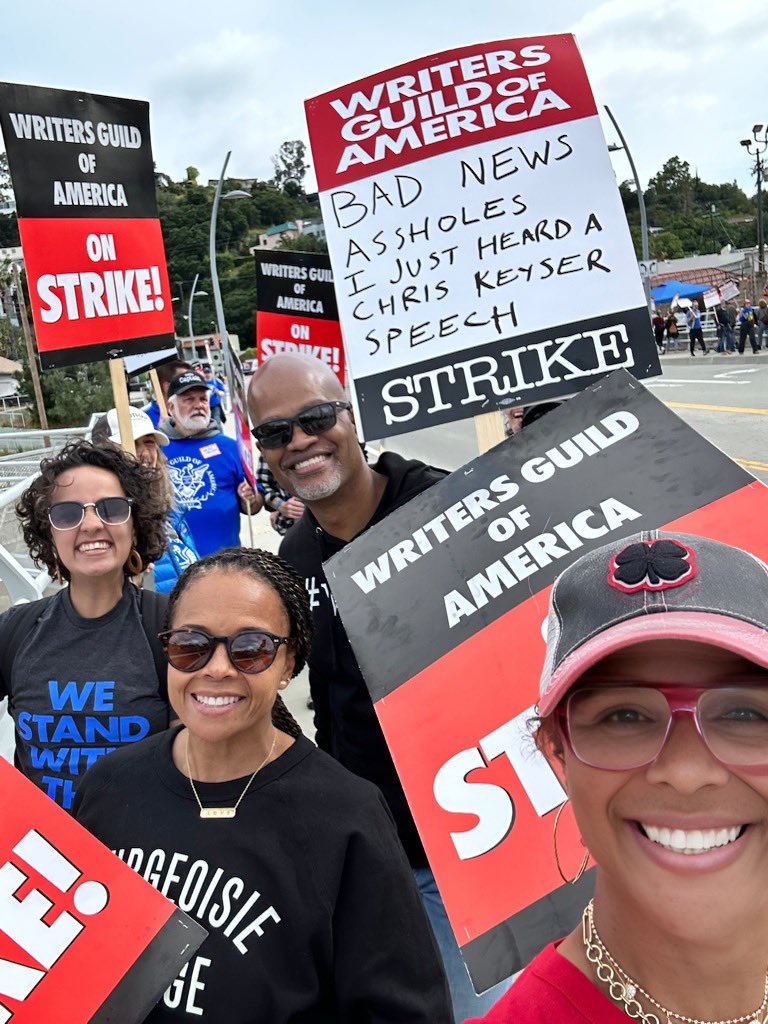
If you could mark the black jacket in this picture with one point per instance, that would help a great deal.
(347, 726)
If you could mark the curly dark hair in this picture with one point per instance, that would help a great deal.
(286, 583)
(149, 511)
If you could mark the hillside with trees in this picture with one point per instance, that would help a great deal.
(680, 216)
(185, 215)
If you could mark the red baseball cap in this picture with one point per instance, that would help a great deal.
(653, 586)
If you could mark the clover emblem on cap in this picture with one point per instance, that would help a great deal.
(652, 565)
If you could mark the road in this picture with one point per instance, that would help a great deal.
(725, 399)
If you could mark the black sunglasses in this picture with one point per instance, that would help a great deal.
(314, 420)
(249, 650)
(66, 515)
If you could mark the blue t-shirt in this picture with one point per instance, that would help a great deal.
(153, 411)
(205, 474)
(215, 391)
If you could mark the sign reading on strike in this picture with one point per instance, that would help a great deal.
(444, 603)
(82, 936)
(479, 244)
(296, 308)
(83, 178)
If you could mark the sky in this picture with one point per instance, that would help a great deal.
(682, 77)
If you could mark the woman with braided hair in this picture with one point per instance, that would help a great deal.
(291, 862)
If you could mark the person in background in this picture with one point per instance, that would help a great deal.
(216, 393)
(315, 917)
(726, 343)
(762, 322)
(165, 374)
(695, 332)
(673, 332)
(659, 325)
(205, 468)
(747, 327)
(82, 669)
(304, 429)
(284, 509)
(653, 712)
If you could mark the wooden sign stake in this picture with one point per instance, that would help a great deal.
(123, 406)
(31, 354)
(489, 429)
(159, 396)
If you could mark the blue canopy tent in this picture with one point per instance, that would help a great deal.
(683, 289)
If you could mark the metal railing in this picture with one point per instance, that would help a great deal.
(18, 467)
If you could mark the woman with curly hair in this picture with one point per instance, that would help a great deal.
(82, 669)
(291, 862)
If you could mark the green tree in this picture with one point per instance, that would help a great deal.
(290, 167)
(304, 243)
(71, 394)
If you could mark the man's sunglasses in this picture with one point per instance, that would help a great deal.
(67, 515)
(314, 420)
(249, 650)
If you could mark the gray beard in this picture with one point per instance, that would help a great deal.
(191, 423)
(320, 490)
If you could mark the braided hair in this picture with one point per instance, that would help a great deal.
(286, 583)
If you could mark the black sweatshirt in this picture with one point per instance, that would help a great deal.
(313, 914)
(346, 724)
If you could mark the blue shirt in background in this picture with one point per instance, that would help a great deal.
(205, 473)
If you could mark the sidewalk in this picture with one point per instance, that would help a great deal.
(748, 359)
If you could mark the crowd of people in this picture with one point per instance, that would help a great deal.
(748, 320)
(147, 699)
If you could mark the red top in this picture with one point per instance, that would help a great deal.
(552, 991)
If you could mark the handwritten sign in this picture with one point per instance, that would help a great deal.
(480, 250)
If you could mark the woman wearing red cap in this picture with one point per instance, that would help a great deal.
(654, 712)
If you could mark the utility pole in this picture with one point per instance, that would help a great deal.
(31, 354)
(756, 146)
(712, 209)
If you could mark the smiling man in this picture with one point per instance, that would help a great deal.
(305, 430)
(205, 467)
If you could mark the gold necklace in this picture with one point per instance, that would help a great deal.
(224, 812)
(623, 989)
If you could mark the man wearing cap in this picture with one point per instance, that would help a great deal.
(205, 467)
(165, 374)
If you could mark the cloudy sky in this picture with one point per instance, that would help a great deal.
(683, 77)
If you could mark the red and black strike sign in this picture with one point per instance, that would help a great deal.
(444, 603)
(296, 308)
(82, 936)
(83, 177)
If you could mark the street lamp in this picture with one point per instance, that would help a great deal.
(192, 294)
(756, 146)
(237, 193)
(614, 148)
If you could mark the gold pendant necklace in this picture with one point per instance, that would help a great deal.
(623, 989)
(224, 812)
